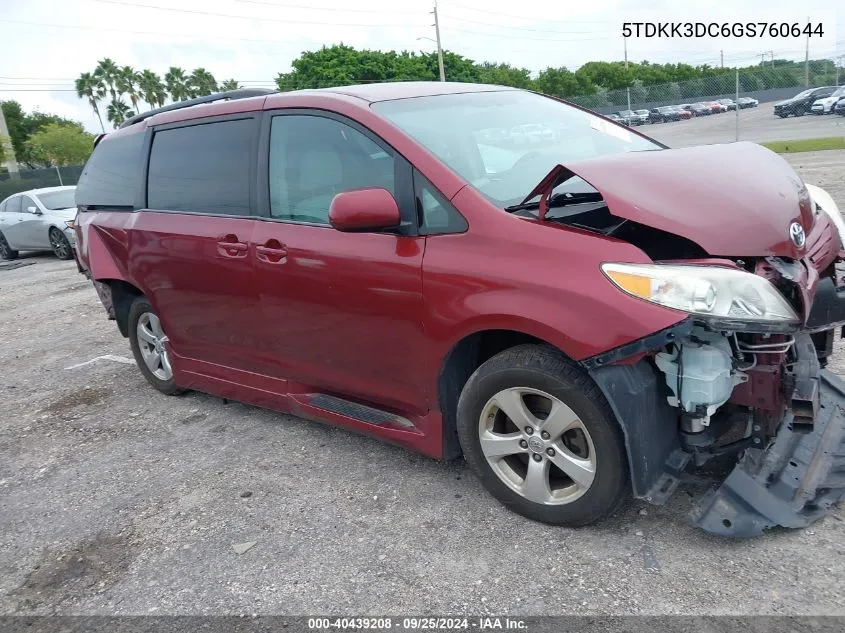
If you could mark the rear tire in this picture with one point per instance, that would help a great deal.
(539, 434)
(150, 347)
(6, 251)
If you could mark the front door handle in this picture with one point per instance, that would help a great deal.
(230, 246)
(272, 252)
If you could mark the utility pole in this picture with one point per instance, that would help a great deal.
(628, 87)
(736, 100)
(439, 47)
(722, 55)
(807, 57)
(8, 149)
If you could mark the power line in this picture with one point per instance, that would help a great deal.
(510, 27)
(519, 37)
(332, 9)
(246, 17)
(512, 15)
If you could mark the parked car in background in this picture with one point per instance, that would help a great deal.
(715, 106)
(747, 102)
(682, 114)
(800, 104)
(630, 117)
(38, 220)
(825, 105)
(575, 328)
(643, 115)
(839, 108)
(664, 114)
(617, 119)
(729, 104)
(698, 109)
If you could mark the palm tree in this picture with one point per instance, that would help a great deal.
(151, 88)
(201, 83)
(230, 84)
(106, 73)
(88, 87)
(127, 81)
(118, 112)
(177, 84)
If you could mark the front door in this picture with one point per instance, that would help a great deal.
(190, 245)
(342, 311)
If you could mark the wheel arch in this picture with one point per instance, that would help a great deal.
(465, 356)
(122, 294)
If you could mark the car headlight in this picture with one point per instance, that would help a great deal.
(823, 201)
(706, 291)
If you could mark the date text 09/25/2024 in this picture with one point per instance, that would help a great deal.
(721, 29)
(485, 623)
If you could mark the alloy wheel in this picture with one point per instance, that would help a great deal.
(537, 446)
(59, 244)
(152, 341)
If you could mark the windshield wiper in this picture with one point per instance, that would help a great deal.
(558, 200)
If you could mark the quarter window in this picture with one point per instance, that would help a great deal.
(202, 168)
(435, 213)
(112, 175)
(314, 158)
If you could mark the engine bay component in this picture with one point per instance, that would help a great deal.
(700, 373)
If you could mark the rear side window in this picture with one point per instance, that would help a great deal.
(14, 205)
(112, 173)
(202, 168)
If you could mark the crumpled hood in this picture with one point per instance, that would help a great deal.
(735, 200)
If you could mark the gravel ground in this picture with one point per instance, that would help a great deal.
(755, 124)
(116, 499)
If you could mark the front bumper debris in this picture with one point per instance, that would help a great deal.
(793, 482)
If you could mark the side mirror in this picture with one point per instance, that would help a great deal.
(364, 210)
(33, 210)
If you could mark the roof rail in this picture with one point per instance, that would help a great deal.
(230, 95)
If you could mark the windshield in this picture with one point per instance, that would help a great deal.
(839, 92)
(58, 199)
(803, 94)
(482, 136)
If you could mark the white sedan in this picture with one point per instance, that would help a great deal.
(825, 106)
(38, 220)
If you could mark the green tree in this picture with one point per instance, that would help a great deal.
(127, 82)
(230, 84)
(118, 112)
(23, 125)
(106, 73)
(201, 83)
(177, 84)
(151, 88)
(57, 144)
(88, 87)
(504, 75)
(561, 82)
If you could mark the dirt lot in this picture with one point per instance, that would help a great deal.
(116, 499)
(755, 124)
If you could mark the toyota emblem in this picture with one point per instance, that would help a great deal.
(797, 235)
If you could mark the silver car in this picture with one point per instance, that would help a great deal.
(38, 220)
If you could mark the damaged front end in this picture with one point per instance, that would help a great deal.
(743, 375)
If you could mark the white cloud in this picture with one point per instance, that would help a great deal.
(254, 49)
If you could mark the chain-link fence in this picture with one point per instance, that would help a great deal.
(744, 101)
(37, 178)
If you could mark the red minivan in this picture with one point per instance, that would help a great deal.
(582, 317)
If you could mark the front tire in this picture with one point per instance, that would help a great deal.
(60, 244)
(149, 346)
(6, 251)
(539, 434)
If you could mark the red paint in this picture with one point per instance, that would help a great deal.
(363, 210)
(695, 192)
(268, 312)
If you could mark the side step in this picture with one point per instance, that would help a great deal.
(357, 411)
